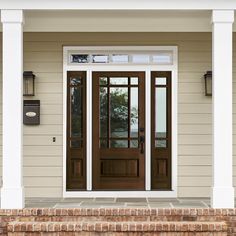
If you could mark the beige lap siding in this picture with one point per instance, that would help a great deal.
(43, 158)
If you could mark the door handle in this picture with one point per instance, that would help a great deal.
(142, 141)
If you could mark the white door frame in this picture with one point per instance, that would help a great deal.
(124, 67)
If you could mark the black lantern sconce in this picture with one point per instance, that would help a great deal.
(208, 83)
(28, 83)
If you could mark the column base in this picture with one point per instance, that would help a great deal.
(222, 197)
(12, 198)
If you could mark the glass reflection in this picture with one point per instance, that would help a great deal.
(134, 80)
(76, 111)
(103, 81)
(134, 112)
(119, 143)
(103, 112)
(160, 81)
(160, 143)
(160, 119)
(119, 80)
(119, 112)
(75, 81)
(134, 143)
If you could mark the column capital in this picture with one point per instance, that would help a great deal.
(222, 16)
(12, 16)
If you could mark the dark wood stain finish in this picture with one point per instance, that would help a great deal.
(161, 156)
(117, 168)
(76, 156)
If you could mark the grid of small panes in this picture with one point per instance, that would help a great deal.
(161, 58)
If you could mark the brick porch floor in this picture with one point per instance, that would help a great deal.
(117, 203)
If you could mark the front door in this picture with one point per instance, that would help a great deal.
(118, 130)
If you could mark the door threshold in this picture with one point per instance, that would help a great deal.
(126, 194)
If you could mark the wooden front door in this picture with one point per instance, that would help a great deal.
(118, 131)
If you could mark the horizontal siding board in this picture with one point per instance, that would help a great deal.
(42, 171)
(42, 151)
(194, 170)
(43, 182)
(194, 160)
(194, 192)
(36, 140)
(43, 130)
(196, 181)
(194, 139)
(41, 161)
(148, 36)
(195, 129)
(44, 192)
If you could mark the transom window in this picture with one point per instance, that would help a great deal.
(101, 57)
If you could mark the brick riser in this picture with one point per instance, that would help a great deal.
(119, 215)
(116, 228)
(119, 234)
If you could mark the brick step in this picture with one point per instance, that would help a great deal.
(116, 214)
(93, 228)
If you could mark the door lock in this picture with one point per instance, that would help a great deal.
(142, 141)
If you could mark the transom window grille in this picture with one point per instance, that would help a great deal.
(158, 58)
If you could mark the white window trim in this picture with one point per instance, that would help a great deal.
(111, 67)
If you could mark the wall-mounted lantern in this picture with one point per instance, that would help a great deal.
(28, 83)
(208, 83)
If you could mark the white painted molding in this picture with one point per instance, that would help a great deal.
(12, 191)
(12, 16)
(118, 5)
(219, 16)
(222, 125)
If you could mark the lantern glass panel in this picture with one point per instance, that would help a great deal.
(28, 86)
(208, 83)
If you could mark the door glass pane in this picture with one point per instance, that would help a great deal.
(119, 80)
(103, 143)
(119, 143)
(160, 119)
(119, 112)
(162, 58)
(76, 111)
(80, 58)
(134, 80)
(160, 81)
(76, 143)
(134, 143)
(134, 112)
(76, 81)
(100, 58)
(103, 112)
(103, 81)
(140, 58)
(161, 143)
(118, 58)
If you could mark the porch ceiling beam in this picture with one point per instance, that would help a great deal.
(119, 4)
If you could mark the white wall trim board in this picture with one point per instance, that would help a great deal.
(116, 5)
(110, 67)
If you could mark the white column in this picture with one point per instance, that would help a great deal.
(12, 193)
(222, 189)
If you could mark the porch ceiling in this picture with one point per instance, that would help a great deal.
(117, 21)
